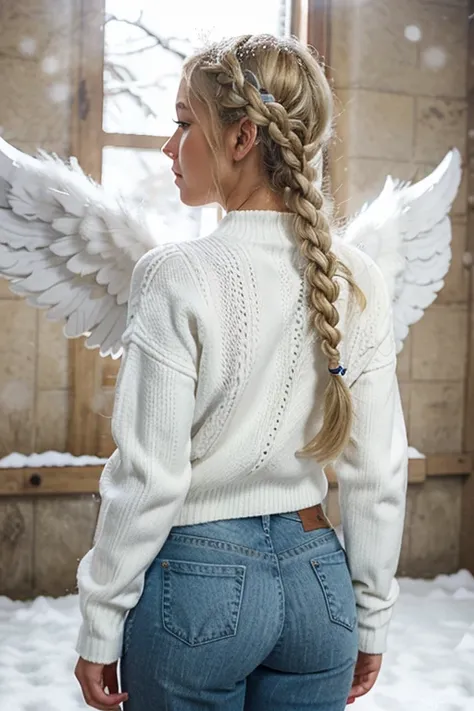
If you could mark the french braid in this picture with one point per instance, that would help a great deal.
(293, 130)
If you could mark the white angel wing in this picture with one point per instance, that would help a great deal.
(407, 231)
(68, 246)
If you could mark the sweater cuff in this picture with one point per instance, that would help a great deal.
(373, 641)
(99, 650)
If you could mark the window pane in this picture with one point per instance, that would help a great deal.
(144, 177)
(145, 45)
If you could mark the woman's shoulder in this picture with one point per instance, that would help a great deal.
(164, 278)
(362, 327)
(151, 262)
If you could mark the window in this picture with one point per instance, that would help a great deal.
(130, 62)
(144, 49)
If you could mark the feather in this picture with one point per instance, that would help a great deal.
(67, 225)
(101, 334)
(39, 280)
(67, 246)
(22, 233)
(83, 264)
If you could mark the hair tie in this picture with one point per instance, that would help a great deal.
(252, 79)
(267, 98)
(338, 371)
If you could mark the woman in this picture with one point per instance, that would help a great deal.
(253, 357)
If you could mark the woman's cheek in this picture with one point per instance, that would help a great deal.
(183, 143)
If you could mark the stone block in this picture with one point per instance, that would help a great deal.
(440, 344)
(16, 547)
(436, 416)
(440, 124)
(52, 355)
(64, 529)
(51, 420)
(375, 124)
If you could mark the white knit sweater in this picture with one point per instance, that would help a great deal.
(220, 384)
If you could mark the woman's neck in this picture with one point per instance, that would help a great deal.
(258, 198)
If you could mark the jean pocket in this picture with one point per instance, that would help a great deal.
(201, 601)
(333, 575)
(291, 516)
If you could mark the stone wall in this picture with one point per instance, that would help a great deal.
(399, 71)
(402, 106)
(36, 41)
(40, 538)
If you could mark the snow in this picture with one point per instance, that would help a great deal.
(434, 58)
(28, 46)
(429, 665)
(413, 453)
(48, 459)
(59, 92)
(413, 33)
(63, 459)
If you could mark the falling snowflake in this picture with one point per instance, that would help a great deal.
(58, 93)
(27, 46)
(50, 65)
(413, 33)
(434, 58)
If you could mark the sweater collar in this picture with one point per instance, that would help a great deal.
(259, 226)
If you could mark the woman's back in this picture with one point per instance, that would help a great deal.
(260, 373)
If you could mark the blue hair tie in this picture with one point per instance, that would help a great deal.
(252, 79)
(338, 371)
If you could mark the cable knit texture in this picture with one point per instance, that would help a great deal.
(220, 384)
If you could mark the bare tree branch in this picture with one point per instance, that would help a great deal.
(126, 53)
(121, 72)
(127, 84)
(159, 40)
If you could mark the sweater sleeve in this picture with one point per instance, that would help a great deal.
(372, 475)
(145, 481)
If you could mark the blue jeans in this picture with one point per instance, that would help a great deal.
(251, 614)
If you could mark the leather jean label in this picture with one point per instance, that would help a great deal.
(314, 518)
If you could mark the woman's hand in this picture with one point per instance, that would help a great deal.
(93, 679)
(365, 675)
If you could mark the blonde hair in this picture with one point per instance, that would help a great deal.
(293, 131)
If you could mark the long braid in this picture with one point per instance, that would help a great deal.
(289, 143)
(312, 230)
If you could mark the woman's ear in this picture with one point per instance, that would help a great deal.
(243, 138)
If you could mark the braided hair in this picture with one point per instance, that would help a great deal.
(279, 85)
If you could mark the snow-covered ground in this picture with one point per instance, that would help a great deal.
(430, 665)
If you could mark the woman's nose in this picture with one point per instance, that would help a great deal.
(168, 149)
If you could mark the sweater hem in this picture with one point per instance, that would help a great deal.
(247, 500)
